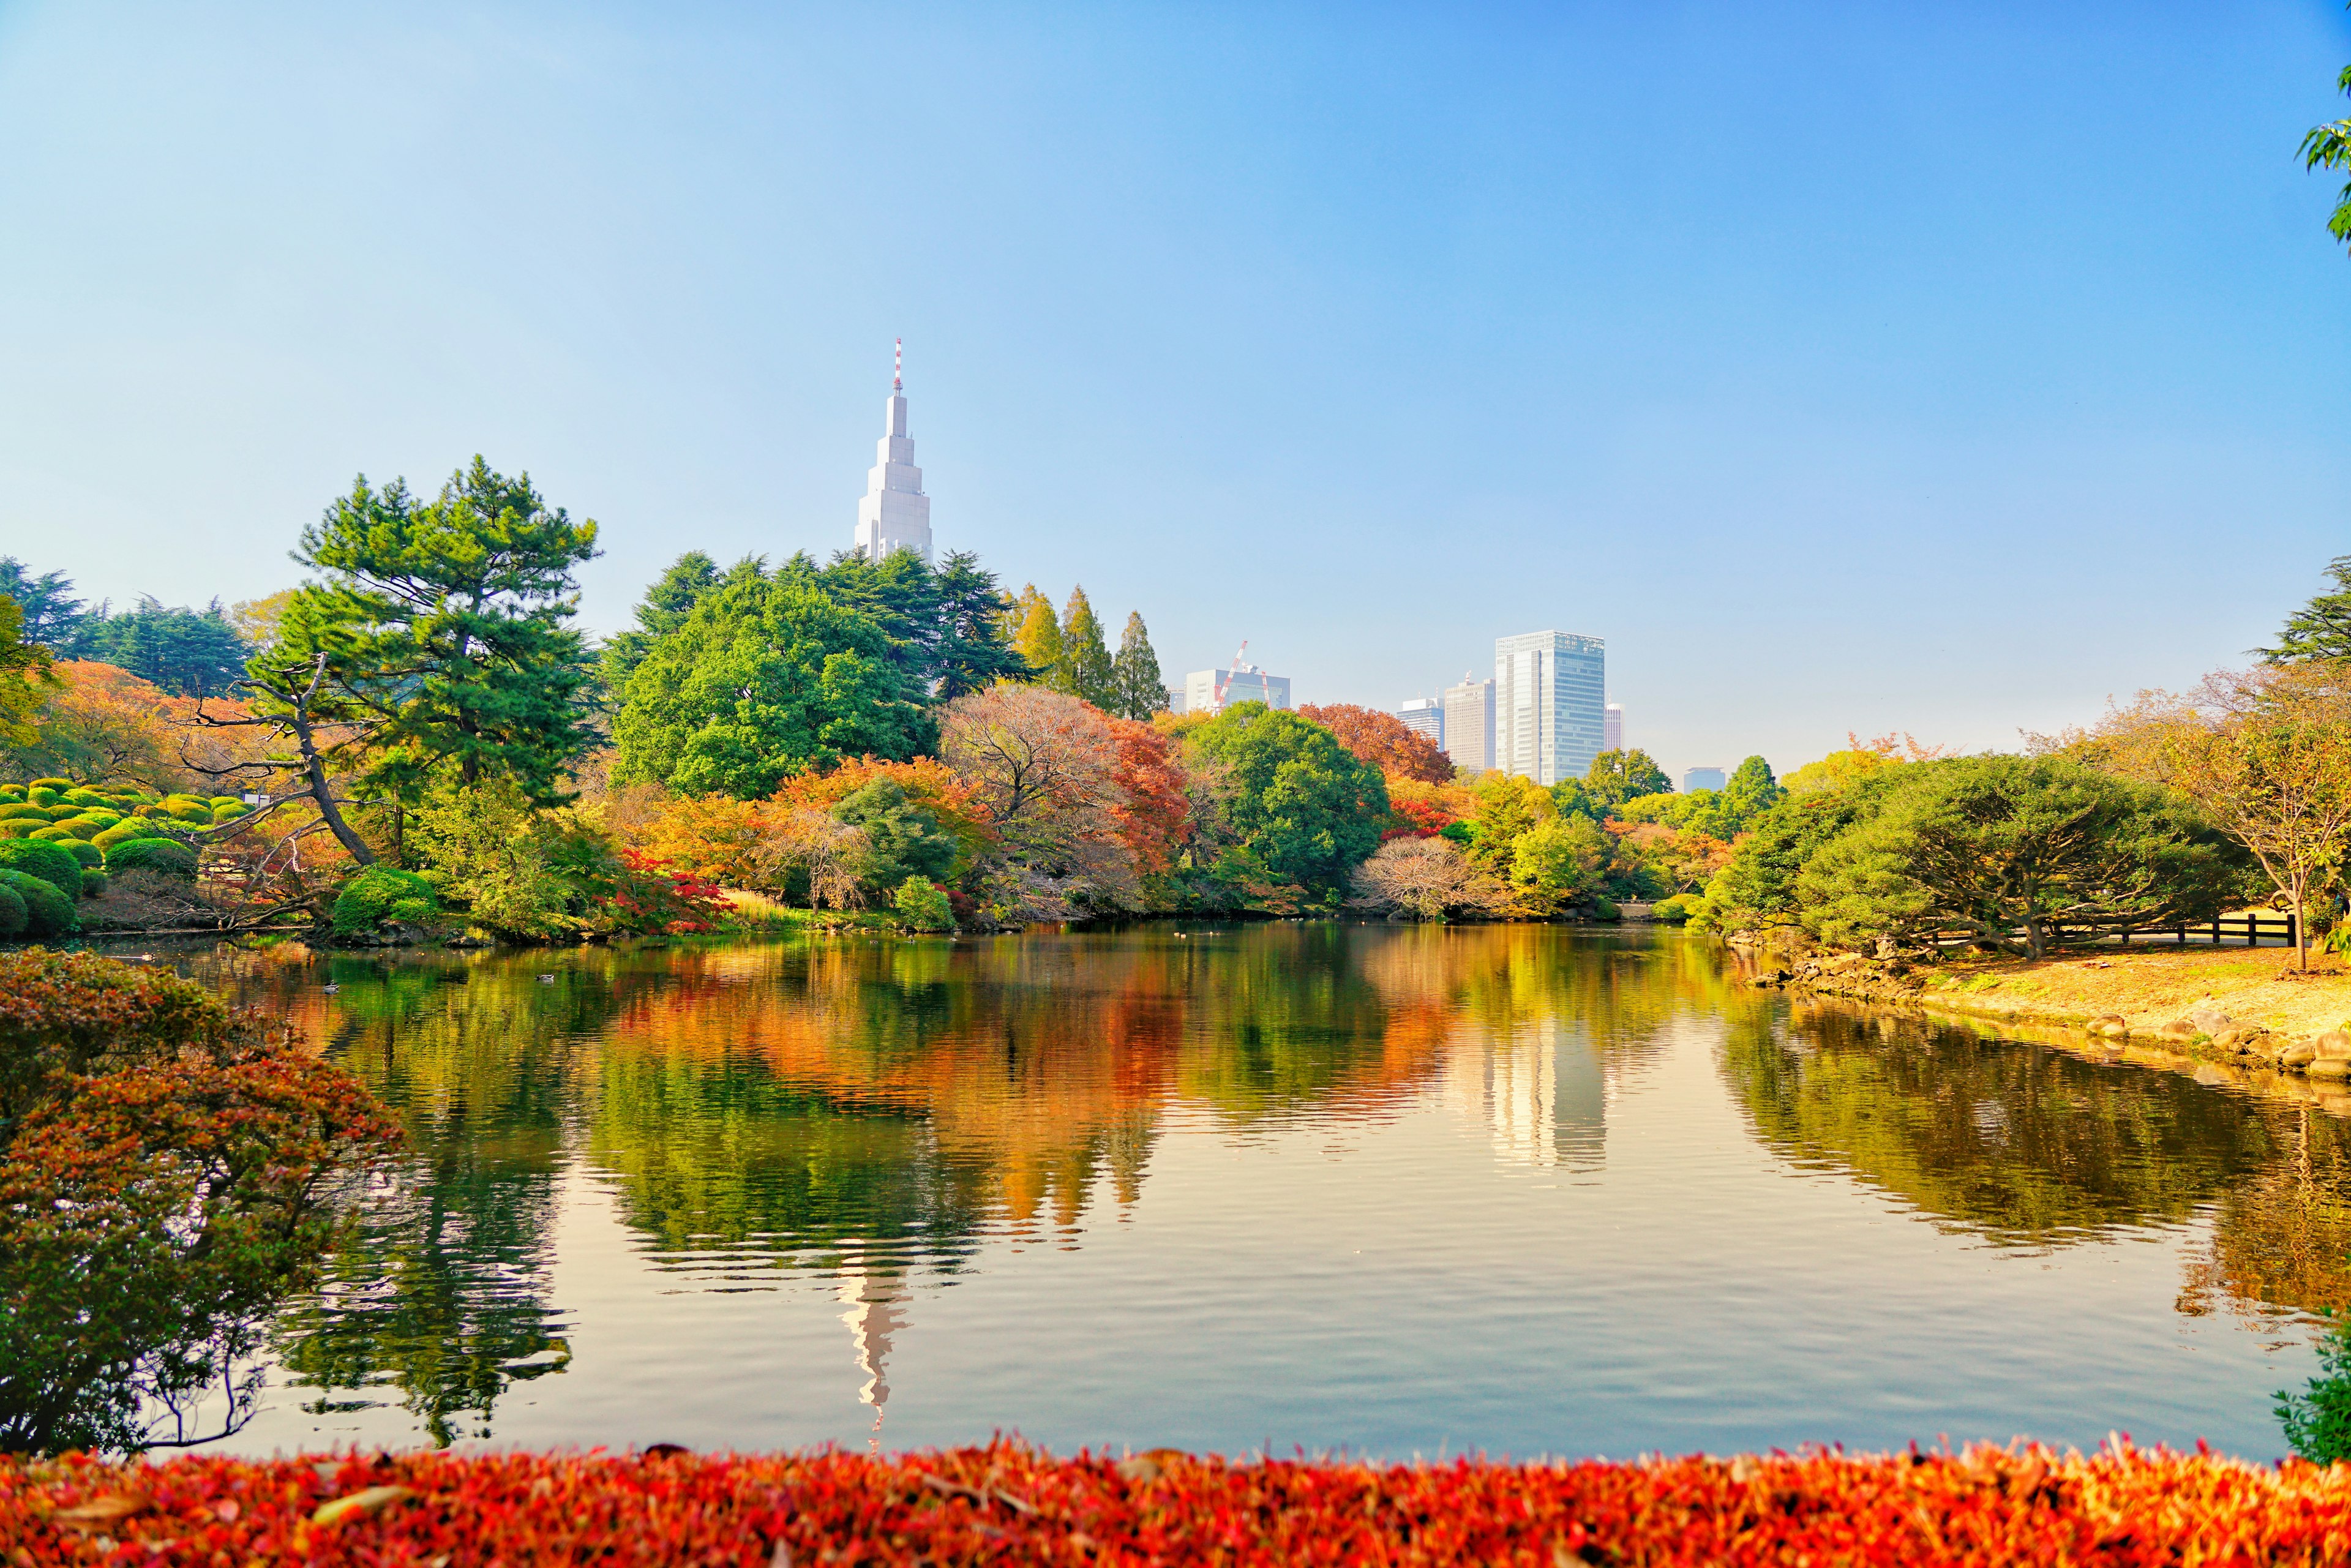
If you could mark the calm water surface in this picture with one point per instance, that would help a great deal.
(1390, 1189)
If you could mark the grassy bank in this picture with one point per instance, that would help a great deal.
(1005, 1503)
(2151, 987)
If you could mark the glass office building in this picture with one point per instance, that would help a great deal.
(1550, 705)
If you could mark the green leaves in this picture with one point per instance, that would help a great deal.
(2329, 147)
(1307, 808)
(767, 679)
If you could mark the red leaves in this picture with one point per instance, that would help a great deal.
(1006, 1503)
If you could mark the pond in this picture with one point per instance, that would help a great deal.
(1332, 1187)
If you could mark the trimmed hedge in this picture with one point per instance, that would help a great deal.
(167, 856)
(381, 893)
(47, 912)
(13, 916)
(85, 854)
(93, 882)
(130, 828)
(20, 828)
(52, 864)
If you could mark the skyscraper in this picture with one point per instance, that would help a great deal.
(1469, 722)
(1424, 715)
(1549, 696)
(1612, 729)
(894, 513)
(1698, 778)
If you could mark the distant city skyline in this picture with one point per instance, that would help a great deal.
(1941, 417)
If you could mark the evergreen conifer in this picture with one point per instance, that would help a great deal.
(1134, 674)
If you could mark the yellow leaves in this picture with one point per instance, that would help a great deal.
(361, 1504)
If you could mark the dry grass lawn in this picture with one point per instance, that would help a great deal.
(2149, 987)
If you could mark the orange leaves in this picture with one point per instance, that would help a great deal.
(1007, 1503)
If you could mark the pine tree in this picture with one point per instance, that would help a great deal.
(1085, 654)
(1134, 674)
(1039, 638)
(664, 607)
(975, 651)
(2320, 629)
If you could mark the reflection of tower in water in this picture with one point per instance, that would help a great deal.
(877, 1301)
(1540, 1091)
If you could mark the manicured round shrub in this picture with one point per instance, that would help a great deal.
(51, 833)
(13, 915)
(220, 801)
(80, 826)
(93, 882)
(382, 892)
(12, 792)
(103, 817)
(21, 808)
(47, 912)
(51, 783)
(85, 854)
(51, 864)
(20, 827)
(231, 812)
(84, 798)
(130, 828)
(42, 795)
(168, 856)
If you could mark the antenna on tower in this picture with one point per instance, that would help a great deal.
(898, 368)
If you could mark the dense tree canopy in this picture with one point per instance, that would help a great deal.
(767, 677)
(1309, 808)
(187, 652)
(25, 677)
(1086, 670)
(444, 630)
(665, 606)
(52, 614)
(1382, 740)
(1616, 776)
(2322, 628)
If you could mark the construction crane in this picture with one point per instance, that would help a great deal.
(1240, 666)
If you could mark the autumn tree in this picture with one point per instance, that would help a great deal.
(101, 725)
(1426, 879)
(1086, 671)
(1043, 766)
(1037, 637)
(1139, 689)
(1383, 740)
(257, 620)
(2265, 754)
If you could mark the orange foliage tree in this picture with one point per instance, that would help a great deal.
(1382, 740)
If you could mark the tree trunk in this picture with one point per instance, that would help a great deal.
(314, 770)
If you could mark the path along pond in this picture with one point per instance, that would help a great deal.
(1394, 1190)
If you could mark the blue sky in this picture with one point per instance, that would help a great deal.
(1845, 367)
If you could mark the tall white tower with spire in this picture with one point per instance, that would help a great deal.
(894, 513)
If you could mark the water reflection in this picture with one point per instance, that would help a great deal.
(869, 1118)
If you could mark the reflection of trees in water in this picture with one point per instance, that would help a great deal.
(2019, 1142)
(443, 1294)
(2025, 1144)
(865, 1107)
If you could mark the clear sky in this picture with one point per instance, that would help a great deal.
(1846, 366)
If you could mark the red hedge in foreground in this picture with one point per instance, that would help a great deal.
(1007, 1503)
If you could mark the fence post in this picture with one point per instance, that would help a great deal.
(2183, 934)
(2216, 931)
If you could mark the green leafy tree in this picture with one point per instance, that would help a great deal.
(2329, 147)
(443, 629)
(1616, 776)
(2322, 628)
(2016, 854)
(188, 652)
(491, 849)
(1086, 671)
(922, 905)
(1558, 862)
(52, 614)
(2318, 1420)
(973, 652)
(1305, 805)
(1139, 689)
(24, 678)
(767, 679)
(1750, 792)
(903, 841)
(664, 609)
(898, 594)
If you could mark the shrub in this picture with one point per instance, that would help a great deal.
(381, 893)
(60, 785)
(84, 798)
(56, 866)
(922, 905)
(100, 818)
(41, 795)
(1676, 909)
(167, 856)
(47, 912)
(85, 854)
(12, 792)
(14, 809)
(130, 828)
(81, 827)
(51, 833)
(19, 827)
(13, 917)
(93, 882)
